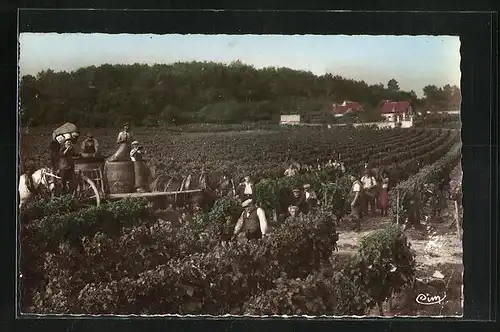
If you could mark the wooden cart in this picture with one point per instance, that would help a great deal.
(92, 185)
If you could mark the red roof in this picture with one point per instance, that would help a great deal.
(395, 107)
(356, 107)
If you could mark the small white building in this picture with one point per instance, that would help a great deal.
(397, 111)
(290, 120)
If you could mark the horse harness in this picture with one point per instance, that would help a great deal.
(186, 182)
(46, 177)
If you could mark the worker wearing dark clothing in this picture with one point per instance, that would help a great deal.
(311, 198)
(299, 200)
(67, 166)
(252, 221)
(54, 148)
(90, 147)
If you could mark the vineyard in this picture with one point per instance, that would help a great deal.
(121, 258)
(266, 154)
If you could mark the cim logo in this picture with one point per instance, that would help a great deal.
(427, 299)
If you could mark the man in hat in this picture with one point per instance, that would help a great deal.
(89, 147)
(310, 197)
(246, 189)
(299, 201)
(252, 221)
(140, 168)
(67, 166)
(136, 151)
(293, 212)
(125, 136)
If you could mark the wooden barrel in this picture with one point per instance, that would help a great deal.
(84, 164)
(120, 176)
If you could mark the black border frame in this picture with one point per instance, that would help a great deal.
(479, 86)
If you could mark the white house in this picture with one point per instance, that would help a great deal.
(290, 120)
(396, 111)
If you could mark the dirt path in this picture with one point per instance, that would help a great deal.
(438, 251)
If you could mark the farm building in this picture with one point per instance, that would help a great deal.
(290, 120)
(396, 111)
(347, 107)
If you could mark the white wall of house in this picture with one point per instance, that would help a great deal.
(407, 123)
(386, 124)
(389, 116)
(291, 119)
(382, 124)
(392, 116)
(456, 112)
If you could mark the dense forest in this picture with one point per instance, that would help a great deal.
(204, 92)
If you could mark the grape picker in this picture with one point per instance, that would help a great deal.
(252, 221)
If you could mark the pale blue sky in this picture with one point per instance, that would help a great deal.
(414, 61)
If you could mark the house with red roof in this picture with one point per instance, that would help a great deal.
(347, 107)
(396, 111)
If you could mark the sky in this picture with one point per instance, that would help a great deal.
(414, 61)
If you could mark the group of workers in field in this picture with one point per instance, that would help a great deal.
(253, 221)
(369, 194)
(334, 166)
(366, 195)
(63, 154)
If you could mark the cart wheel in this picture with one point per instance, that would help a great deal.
(86, 190)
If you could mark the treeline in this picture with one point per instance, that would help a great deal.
(195, 92)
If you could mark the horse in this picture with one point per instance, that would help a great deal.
(221, 183)
(29, 185)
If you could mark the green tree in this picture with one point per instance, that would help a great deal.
(393, 85)
(187, 92)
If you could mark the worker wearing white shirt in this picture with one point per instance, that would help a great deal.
(140, 169)
(245, 189)
(370, 190)
(290, 171)
(136, 152)
(356, 199)
(252, 221)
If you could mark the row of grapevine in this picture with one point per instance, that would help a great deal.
(410, 190)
